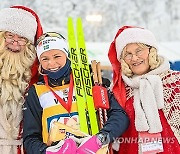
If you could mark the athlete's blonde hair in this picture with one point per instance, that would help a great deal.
(154, 60)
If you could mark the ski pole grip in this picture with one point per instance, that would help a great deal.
(94, 71)
(99, 73)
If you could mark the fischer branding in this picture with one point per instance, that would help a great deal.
(85, 71)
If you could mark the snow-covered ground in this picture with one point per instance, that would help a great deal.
(171, 50)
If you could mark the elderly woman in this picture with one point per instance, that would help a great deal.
(149, 92)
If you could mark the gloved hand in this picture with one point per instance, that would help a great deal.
(67, 146)
(91, 145)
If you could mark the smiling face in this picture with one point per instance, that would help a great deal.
(53, 60)
(137, 58)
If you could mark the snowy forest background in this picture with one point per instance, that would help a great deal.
(162, 17)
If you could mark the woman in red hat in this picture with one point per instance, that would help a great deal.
(149, 92)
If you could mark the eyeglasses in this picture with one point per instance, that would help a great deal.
(138, 53)
(49, 34)
(9, 38)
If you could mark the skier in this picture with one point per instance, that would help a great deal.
(52, 99)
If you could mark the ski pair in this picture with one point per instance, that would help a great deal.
(82, 78)
(83, 83)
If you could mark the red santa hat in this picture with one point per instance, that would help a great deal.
(24, 22)
(118, 84)
(134, 35)
(19, 20)
(124, 36)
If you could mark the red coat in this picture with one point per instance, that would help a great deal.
(171, 88)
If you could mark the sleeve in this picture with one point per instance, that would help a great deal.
(117, 122)
(32, 125)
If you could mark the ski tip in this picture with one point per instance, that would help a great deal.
(70, 20)
(79, 19)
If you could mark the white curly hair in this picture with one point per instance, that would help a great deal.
(154, 60)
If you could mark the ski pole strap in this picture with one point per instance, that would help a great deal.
(67, 105)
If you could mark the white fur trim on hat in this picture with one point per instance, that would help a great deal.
(49, 43)
(134, 35)
(18, 21)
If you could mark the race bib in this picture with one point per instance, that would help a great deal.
(150, 143)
